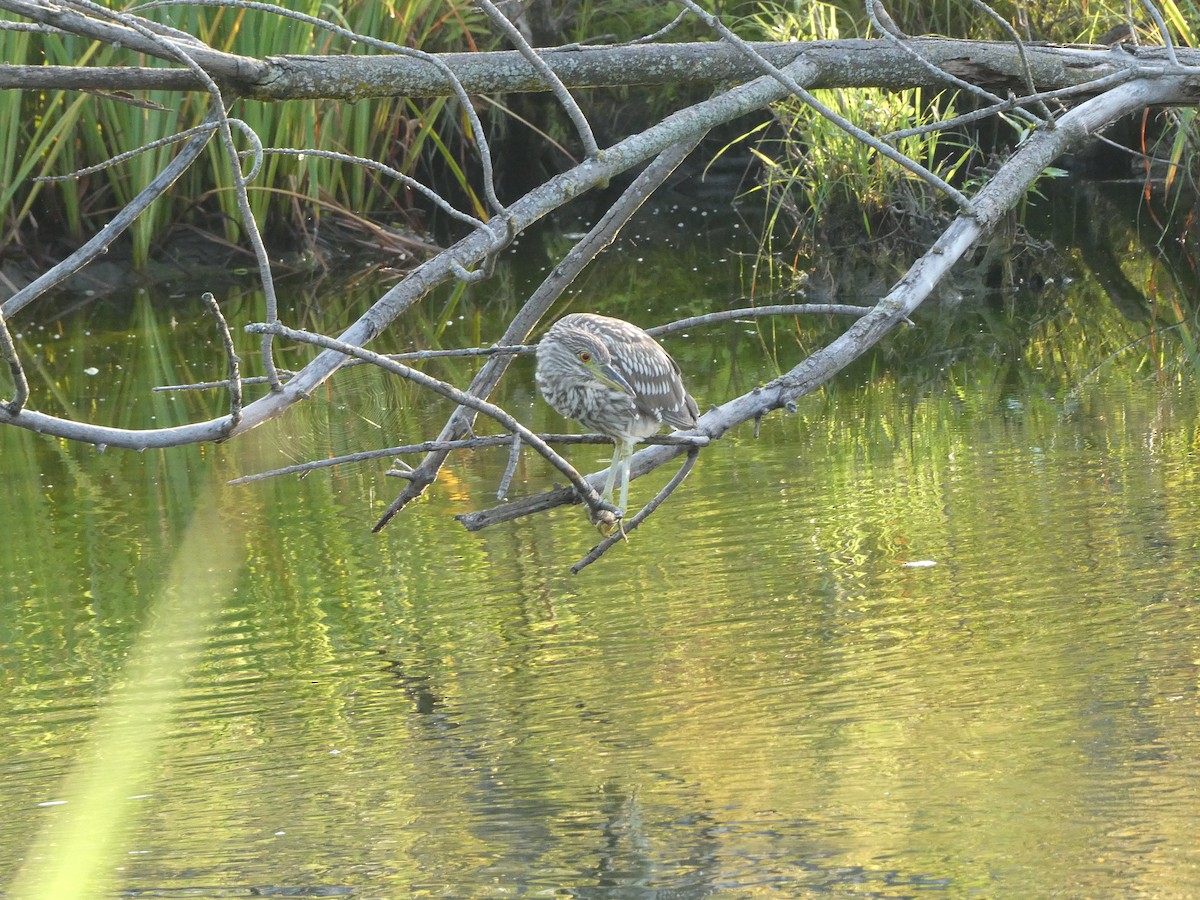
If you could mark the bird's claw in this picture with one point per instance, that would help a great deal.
(605, 520)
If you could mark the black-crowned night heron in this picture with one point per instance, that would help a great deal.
(613, 378)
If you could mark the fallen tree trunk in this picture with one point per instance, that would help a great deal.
(854, 63)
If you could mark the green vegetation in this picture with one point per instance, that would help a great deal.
(56, 133)
(820, 186)
(817, 183)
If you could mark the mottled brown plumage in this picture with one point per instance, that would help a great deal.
(613, 378)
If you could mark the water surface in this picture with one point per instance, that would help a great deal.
(937, 632)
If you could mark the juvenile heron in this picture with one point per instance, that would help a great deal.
(613, 378)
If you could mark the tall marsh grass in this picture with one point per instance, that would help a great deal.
(817, 179)
(813, 167)
(57, 133)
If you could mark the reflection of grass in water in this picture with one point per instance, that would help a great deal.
(76, 851)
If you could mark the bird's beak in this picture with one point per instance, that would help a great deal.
(614, 379)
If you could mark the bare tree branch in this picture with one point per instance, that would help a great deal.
(205, 129)
(624, 529)
(514, 457)
(1012, 76)
(485, 442)
(225, 66)
(8, 352)
(234, 382)
(1042, 148)
(1163, 31)
(565, 100)
(586, 491)
(848, 63)
(758, 312)
(1030, 87)
(887, 28)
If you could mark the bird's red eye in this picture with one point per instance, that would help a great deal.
(585, 356)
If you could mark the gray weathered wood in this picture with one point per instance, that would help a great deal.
(844, 64)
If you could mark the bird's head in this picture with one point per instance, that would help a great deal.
(587, 352)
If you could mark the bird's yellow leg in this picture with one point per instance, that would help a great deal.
(626, 450)
(612, 474)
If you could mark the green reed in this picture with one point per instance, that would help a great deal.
(818, 183)
(816, 179)
(57, 133)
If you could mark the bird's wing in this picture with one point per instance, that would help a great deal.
(655, 377)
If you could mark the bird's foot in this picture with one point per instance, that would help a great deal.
(605, 520)
(608, 524)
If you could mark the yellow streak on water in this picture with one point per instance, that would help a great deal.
(75, 854)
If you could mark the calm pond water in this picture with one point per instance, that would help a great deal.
(936, 633)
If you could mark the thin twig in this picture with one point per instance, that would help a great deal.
(366, 456)
(626, 527)
(585, 490)
(8, 351)
(514, 457)
(662, 32)
(427, 192)
(960, 199)
(892, 35)
(755, 312)
(213, 385)
(304, 468)
(129, 154)
(1163, 30)
(1026, 69)
(1147, 159)
(476, 443)
(34, 27)
(403, 472)
(578, 119)
(514, 350)
(1014, 103)
(419, 355)
(256, 150)
(234, 382)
